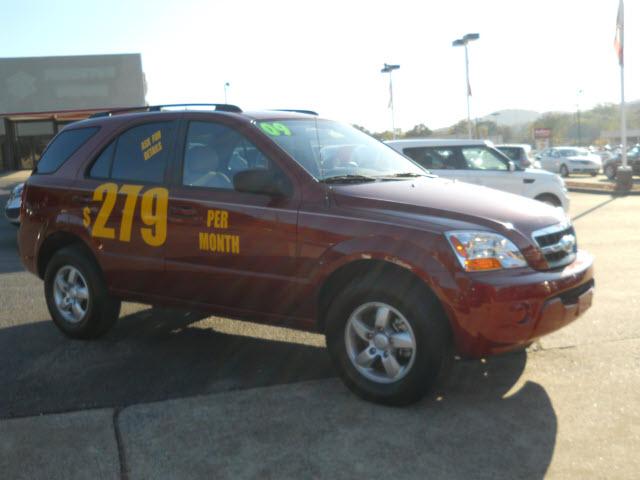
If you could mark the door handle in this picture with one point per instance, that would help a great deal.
(182, 211)
(81, 198)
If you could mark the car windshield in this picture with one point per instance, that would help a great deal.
(331, 150)
(573, 152)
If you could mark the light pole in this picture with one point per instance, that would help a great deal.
(578, 93)
(226, 84)
(463, 42)
(388, 69)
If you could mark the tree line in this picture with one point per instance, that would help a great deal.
(572, 128)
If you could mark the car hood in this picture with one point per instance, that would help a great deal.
(449, 204)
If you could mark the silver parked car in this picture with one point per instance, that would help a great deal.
(12, 208)
(568, 160)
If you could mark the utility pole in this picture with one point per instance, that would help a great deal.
(463, 42)
(388, 69)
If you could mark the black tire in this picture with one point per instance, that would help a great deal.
(593, 174)
(564, 171)
(549, 199)
(101, 310)
(610, 172)
(429, 325)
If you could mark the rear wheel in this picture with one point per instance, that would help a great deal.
(564, 171)
(388, 343)
(77, 296)
(593, 174)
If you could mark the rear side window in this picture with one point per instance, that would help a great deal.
(433, 158)
(62, 147)
(141, 154)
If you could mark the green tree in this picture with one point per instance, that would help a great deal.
(418, 131)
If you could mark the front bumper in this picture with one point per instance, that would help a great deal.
(501, 311)
(584, 168)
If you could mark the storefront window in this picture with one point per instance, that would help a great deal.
(31, 139)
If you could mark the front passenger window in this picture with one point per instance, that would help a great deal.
(215, 153)
(479, 158)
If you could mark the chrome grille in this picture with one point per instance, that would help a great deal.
(557, 243)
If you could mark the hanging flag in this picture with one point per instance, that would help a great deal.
(468, 87)
(390, 96)
(618, 43)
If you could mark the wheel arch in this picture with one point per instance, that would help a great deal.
(54, 243)
(361, 268)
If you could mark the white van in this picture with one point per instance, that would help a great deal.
(479, 162)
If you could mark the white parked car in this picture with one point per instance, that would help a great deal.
(520, 154)
(478, 162)
(567, 160)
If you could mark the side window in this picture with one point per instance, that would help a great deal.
(142, 153)
(442, 158)
(215, 153)
(480, 158)
(62, 147)
(102, 165)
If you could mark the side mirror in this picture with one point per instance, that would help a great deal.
(512, 166)
(261, 181)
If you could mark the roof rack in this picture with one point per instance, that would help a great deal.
(221, 107)
(295, 110)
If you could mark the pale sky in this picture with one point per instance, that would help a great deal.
(327, 55)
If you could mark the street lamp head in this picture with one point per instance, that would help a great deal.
(458, 43)
(388, 68)
(471, 36)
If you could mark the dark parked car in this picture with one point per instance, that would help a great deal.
(286, 218)
(633, 160)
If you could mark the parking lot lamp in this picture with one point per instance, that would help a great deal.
(226, 85)
(388, 68)
(463, 42)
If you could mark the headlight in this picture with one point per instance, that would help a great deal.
(477, 251)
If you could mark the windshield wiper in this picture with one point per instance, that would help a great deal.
(348, 179)
(407, 174)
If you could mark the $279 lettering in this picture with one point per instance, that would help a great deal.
(153, 213)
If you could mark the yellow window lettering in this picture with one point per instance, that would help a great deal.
(156, 136)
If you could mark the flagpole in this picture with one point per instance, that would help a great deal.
(624, 180)
(623, 119)
(393, 116)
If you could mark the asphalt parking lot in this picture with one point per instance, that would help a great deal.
(174, 395)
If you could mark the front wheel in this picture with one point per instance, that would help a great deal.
(77, 296)
(564, 171)
(389, 344)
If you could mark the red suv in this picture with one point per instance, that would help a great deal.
(285, 218)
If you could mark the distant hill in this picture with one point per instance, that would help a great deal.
(512, 117)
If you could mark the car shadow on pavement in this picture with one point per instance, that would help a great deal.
(593, 209)
(473, 426)
(150, 355)
(491, 424)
